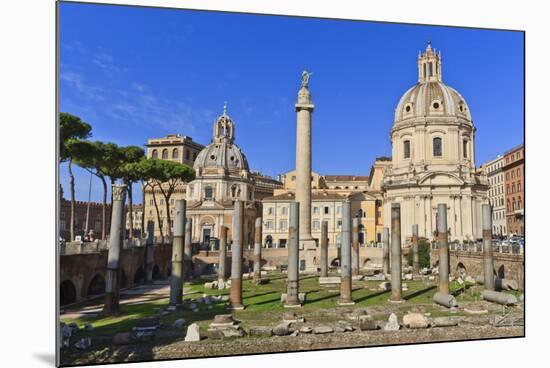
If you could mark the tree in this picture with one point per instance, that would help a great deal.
(171, 174)
(423, 254)
(132, 155)
(91, 157)
(162, 176)
(71, 129)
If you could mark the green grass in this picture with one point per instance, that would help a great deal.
(263, 306)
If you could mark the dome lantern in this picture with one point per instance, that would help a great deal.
(429, 65)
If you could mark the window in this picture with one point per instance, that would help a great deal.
(519, 203)
(164, 154)
(269, 224)
(517, 155)
(270, 211)
(175, 153)
(326, 210)
(172, 201)
(513, 188)
(517, 173)
(208, 193)
(465, 148)
(513, 174)
(151, 202)
(154, 154)
(431, 69)
(424, 69)
(339, 223)
(315, 210)
(316, 225)
(436, 105)
(437, 149)
(513, 204)
(283, 225)
(519, 186)
(507, 177)
(407, 149)
(187, 155)
(508, 205)
(162, 201)
(284, 210)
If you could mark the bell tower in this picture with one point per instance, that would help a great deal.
(224, 128)
(429, 65)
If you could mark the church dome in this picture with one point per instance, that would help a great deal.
(222, 153)
(430, 97)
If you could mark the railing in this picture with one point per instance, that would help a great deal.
(70, 248)
(477, 247)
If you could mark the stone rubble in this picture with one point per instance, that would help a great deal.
(193, 333)
(392, 324)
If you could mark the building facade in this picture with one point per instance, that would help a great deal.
(222, 177)
(514, 179)
(433, 161)
(495, 177)
(94, 217)
(326, 205)
(173, 147)
(136, 219)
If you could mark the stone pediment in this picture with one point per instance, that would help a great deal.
(205, 205)
(440, 178)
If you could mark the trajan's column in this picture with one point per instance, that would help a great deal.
(304, 109)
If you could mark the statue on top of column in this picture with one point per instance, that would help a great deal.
(305, 78)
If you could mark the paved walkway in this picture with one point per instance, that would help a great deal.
(159, 289)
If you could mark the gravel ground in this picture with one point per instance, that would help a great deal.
(178, 349)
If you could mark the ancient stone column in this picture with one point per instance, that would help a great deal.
(258, 250)
(112, 282)
(149, 252)
(324, 249)
(395, 253)
(292, 297)
(236, 294)
(223, 254)
(416, 266)
(304, 109)
(443, 244)
(176, 279)
(386, 250)
(488, 247)
(345, 261)
(188, 249)
(355, 261)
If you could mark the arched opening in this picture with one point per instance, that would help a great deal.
(335, 262)
(97, 285)
(367, 263)
(155, 154)
(156, 272)
(67, 292)
(139, 276)
(461, 269)
(165, 154)
(175, 153)
(500, 272)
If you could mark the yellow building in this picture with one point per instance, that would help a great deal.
(173, 147)
(328, 194)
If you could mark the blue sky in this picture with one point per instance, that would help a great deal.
(138, 73)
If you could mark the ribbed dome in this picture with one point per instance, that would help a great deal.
(222, 155)
(432, 98)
